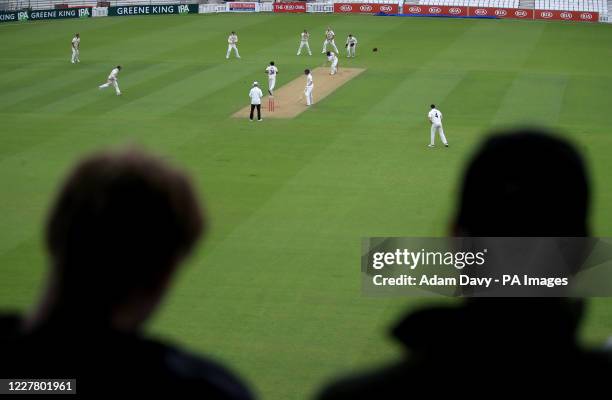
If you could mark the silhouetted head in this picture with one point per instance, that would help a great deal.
(119, 67)
(328, 53)
(120, 225)
(433, 106)
(524, 183)
(233, 33)
(77, 35)
(271, 62)
(306, 71)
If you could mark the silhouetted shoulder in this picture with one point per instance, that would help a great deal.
(111, 362)
(484, 348)
(388, 382)
(9, 324)
(213, 377)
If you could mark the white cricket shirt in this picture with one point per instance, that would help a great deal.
(255, 94)
(272, 71)
(435, 116)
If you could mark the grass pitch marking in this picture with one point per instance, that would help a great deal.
(289, 100)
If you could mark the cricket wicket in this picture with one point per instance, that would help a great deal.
(271, 103)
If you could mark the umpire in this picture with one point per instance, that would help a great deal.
(255, 94)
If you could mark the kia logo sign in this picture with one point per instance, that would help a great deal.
(386, 8)
(586, 16)
(520, 13)
(566, 15)
(346, 8)
(501, 13)
(415, 9)
(435, 10)
(454, 10)
(546, 14)
(480, 11)
(365, 8)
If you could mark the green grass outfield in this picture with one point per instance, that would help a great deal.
(275, 291)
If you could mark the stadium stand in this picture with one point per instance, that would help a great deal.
(50, 4)
(600, 6)
(573, 5)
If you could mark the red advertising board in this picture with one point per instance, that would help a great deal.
(492, 12)
(501, 12)
(366, 8)
(290, 7)
(585, 16)
(516, 13)
(436, 10)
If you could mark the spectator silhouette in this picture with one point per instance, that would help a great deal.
(523, 184)
(118, 231)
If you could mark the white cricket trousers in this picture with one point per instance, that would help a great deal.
(271, 83)
(434, 128)
(302, 45)
(229, 50)
(331, 43)
(75, 56)
(334, 67)
(113, 83)
(308, 94)
(350, 51)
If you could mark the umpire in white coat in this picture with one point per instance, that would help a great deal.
(255, 94)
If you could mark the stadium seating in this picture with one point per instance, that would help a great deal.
(600, 6)
(50, 4)
(573, 5)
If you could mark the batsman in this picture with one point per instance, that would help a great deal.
(351, 45)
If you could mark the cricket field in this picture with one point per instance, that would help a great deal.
(274, 290)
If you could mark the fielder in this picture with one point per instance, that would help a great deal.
(304, 36)
(333, 58)
(271, 71)
(329, 40)
(112, 80)
(255, 94)
(435, 117)
(309, 87)
(232, 40)
(76, 44)
(351, 45)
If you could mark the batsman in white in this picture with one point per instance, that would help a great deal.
(435, 117)
(351, 45)
(232, 40)
(76, 45)
(309, 87)
(333, 58)
(329, 40)
(112, 80)
(304, 36)
(271, 71)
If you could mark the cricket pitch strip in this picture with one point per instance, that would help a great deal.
(289, 100)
